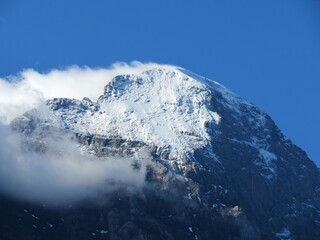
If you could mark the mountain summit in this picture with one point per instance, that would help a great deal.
(217, 166)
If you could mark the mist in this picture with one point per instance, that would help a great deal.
(30, 88)
(62, 174)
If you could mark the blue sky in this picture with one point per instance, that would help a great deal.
(266, 51)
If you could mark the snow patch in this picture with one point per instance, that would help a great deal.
(267, 156)
(284, 234)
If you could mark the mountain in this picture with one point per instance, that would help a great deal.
(217, 167)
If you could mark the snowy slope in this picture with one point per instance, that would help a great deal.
(160, 107)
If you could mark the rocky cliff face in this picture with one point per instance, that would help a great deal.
(218, 167)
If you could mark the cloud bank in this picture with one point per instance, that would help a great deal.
(30, 88)
(61, 174)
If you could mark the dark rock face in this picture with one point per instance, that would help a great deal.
(260, 186)
(290, 199)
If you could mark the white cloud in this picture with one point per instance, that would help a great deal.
(30, 88)
(62, 174)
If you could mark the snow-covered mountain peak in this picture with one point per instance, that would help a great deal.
(161, 107)
(172, 109)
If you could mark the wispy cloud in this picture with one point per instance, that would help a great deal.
(62, 174)
(30, 88)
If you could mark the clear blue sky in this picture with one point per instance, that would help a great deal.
(266, 51)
